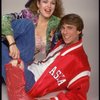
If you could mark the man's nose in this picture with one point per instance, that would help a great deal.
(65, 31)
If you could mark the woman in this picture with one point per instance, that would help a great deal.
(65, 70)
(44, 15)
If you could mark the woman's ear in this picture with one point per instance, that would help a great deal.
(38, 3)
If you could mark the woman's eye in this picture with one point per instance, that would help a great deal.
(45, 1)
(54, 3)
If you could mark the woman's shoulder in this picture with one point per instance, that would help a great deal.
(54, 21)
(27, 13)
(54, 18)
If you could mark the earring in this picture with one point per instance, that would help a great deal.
(38, 11)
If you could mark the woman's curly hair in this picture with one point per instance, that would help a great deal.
(59, 11)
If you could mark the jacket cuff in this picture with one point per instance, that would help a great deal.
(54, 98)
(62, 96)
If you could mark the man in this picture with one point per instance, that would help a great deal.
(66, 68)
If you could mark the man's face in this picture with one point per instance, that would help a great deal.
(70, 33)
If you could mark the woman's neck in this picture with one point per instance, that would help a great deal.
(42, 20)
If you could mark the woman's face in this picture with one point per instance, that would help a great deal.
(46, 7)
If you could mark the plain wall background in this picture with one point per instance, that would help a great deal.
(89, 11)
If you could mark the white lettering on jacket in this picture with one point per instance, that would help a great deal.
(57, 75)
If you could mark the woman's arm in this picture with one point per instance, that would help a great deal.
(6, 25)
(8, 18)
(7, 32)
(13, 50)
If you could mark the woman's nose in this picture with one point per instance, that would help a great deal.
(49, 5)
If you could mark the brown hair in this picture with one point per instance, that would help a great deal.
(59, 11)
(72, 19)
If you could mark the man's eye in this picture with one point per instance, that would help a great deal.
(62, 27)
(69, 27)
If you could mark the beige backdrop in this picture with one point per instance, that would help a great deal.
(88, 10)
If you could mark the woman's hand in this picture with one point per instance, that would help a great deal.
(14, 51)
(16, 63)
